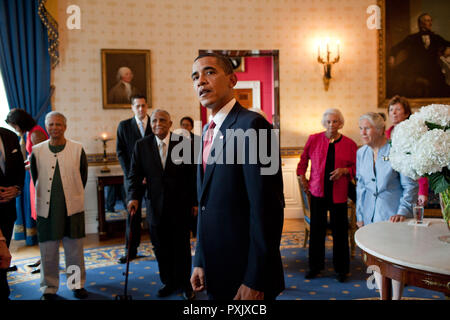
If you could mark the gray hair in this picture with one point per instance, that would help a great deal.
(55, 114)
(375, 119)
(334, 111)
(160, 110)
(120, 72)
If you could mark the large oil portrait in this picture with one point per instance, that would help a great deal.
(414, 51)
(124, 73)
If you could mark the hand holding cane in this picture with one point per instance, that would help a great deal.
(132, 210)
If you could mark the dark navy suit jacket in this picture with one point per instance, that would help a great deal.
(127, 135)
(169, 190)
(14, 176)
(241, 215)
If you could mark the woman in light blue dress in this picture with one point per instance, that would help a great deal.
(382, 193)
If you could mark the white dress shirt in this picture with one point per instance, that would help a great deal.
(163, 152)
(221, 115)
(144, 124)
(426, 41)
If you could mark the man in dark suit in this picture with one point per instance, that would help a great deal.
(170, 180)
(128, 132)
(414, 63)
(240, 205)
(187, 123)
(12, 175)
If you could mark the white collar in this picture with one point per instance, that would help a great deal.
(222, 114)
(166, 140)
(144, 122)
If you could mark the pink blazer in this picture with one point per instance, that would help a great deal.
(316, 149)
(423, 182)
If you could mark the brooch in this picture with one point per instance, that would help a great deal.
(385, 158)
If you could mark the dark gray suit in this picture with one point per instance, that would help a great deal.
(240, 216)
(14, 175)
(127, 135)
(170, 200)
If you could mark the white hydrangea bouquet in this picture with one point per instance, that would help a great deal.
(421, 148)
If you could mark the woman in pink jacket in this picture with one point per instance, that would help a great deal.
(333, 166)
(399, 110)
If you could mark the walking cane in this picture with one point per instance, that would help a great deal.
(125, 295)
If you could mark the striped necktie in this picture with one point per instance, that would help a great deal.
(207, 143)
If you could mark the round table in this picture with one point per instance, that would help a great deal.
(408, 253)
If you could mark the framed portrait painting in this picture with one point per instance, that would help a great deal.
(414, 51)
(124, 73)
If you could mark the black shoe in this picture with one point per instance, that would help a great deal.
(165, 291)
(341, 277)
(34, 265)
(123, 259)
(188, 294)
(11, 269)
(37, 270)
(48, 296)
(80, 293)
(311, 274)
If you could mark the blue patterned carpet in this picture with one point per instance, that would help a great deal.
(105, 277)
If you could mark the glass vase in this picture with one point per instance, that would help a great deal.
(444, 200)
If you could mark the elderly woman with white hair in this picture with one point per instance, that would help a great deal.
(381, 193)
(333, 166)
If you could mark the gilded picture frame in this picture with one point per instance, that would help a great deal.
(124, 74)
(395, 24)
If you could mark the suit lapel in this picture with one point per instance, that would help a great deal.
(7, 147)
(155, 154)
(135, 129)
(148, 130)
(3, 138)
(200, 158)
(169, 164)
(221, 136)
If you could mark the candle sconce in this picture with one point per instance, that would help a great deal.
(327, 63)
(104, 138)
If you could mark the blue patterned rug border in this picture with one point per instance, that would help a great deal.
(104, 256)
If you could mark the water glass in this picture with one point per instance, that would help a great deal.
(418, 214)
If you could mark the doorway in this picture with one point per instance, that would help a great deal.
(255, 70)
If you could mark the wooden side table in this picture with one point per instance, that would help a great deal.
(408, 253)
(115, 177)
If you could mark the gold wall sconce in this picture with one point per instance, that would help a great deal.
(327, 62)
